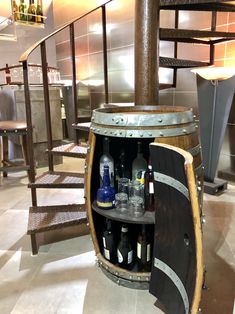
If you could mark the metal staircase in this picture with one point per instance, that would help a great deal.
(49, 218)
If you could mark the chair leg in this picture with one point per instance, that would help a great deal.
(5, 152)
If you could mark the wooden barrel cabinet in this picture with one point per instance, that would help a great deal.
(125, 126)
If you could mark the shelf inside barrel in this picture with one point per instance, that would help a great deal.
(147, 218)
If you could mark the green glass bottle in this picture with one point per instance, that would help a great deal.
(39, 13)
(22, 10)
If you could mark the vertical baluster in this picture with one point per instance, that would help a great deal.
(105, 57)
(175, 48)
(74, 86)
(47, 105)
(29, 134)
(213, 28)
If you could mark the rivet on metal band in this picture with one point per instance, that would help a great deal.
(175, 279)
(163, 178)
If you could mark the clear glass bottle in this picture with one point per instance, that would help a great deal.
(125, 250)
(109, 243)
(106, 159)
(139, 165)
(144, 250)
(106, 194)
(149, 189)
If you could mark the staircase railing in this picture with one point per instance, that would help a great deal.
(24, 60)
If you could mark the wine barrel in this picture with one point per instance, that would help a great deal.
(125, 126)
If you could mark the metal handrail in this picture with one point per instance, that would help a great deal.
(24, 60)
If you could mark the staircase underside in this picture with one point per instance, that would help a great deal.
(173, 63)
(198, 5)
(195, 36)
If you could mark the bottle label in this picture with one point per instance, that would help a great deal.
(120, 257)
(107, 254)
(140, 252)
(104, 242)
(130, 257)
(151, 188)
(105, 204)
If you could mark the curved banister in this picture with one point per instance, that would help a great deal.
(26, 54)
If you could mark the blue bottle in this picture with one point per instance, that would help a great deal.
(106, 194)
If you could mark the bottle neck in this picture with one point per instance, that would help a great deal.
(106, 146)
(106, 179)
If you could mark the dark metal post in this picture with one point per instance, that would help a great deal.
(74, 85)
(146, 52)
(106, 88)
(213, 28)
(175, 48)
(29, 131)
(47, 105)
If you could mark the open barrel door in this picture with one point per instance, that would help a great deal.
(177, 268)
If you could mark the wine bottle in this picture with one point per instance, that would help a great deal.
(109, 247)
(139, 165)
(31, 11)
(144, 250)
(106, 159)
(149, 189)
(124, 249)
(15, 9)
(39, 13)
(22, 10)
(106, 194)
(8, 74)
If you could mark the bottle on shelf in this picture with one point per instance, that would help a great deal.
(139, 165)
(23, 11)
(149, 189)
(124, 249)
(8, 74)
(39, 13)
(106, 159)
(144, 249)
(106, 194)
(120, 167)
(15, 10)
(31, 11)
(109, 244)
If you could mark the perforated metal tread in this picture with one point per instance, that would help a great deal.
(45, 218)
(58, 179)
(84, 126)
(195, 36)
(70, 150)
(198, 5)
(166, 62)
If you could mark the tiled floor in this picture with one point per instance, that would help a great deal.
(64, 277)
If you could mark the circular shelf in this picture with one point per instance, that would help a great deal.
(147, 218)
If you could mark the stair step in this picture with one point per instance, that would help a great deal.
(195, 36)
(198, 5)
(70, 150)
(84, 126)
(58, 179)
(46, 218)
(172, 63)
(165, 86)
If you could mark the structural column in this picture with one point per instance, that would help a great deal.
(146, 52)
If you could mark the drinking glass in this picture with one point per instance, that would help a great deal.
(136, 206)
(136, 189)
(123, 185)
(121, 202)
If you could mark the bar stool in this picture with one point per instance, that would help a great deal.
(8, 128)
